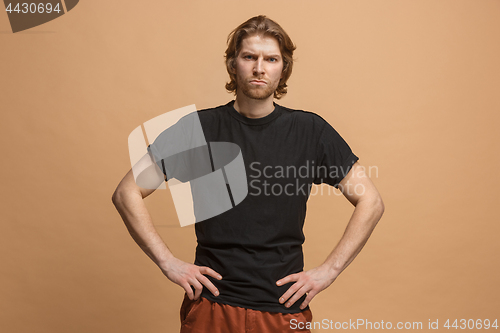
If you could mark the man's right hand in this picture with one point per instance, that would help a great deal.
(187, 275)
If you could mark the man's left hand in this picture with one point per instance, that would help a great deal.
(310, 282)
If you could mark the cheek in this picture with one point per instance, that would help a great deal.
(278, 72)
(240, 68)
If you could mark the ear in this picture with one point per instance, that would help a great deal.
(233, 68)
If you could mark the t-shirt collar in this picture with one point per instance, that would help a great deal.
(254, 121)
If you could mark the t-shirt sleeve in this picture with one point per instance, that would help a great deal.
(166, 148)
(334, 157)
(155, 155)
(177, 149)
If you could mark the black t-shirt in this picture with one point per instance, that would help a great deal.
(259, 241)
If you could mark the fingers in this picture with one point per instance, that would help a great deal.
(199, 280)
(191, 284)
(287, 279)
(206, 282)
(188, 289)
(211, 272)
(300, 288)
(296, 297)
(293, 288)
(192, 279)
(308, 299)
(198, 288)
(292, 291)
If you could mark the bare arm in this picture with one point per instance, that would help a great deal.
(369, 208)
(128, 200)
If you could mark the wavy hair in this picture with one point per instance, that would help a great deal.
(259, 25)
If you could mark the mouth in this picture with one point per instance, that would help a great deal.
(258, 82)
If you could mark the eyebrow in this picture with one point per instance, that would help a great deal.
(269, 55)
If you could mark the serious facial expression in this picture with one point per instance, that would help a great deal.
(259, 67)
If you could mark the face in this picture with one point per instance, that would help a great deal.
(258, 67)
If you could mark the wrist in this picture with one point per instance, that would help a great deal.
(332, 270)
(166, 262)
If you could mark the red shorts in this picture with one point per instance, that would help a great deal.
(203, 316)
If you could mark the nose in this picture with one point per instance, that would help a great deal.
(258, 67)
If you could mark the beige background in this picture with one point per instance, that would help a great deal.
(411, 85)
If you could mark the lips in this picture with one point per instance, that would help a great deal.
(259, 82)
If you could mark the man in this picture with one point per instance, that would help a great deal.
(248, 273)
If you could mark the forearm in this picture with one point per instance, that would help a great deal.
(139, 223)
(363, 220)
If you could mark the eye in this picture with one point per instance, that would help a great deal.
(248, 57)
(273, 59)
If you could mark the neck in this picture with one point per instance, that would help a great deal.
(253, 108)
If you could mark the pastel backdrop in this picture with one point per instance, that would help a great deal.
(411, 85)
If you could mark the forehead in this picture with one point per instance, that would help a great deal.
(258, 43)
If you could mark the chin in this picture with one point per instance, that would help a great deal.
(257, 93)
(259, 96)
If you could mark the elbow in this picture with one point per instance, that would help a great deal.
(116, 197)
(123, 195)
(376, 206)
(380, 207)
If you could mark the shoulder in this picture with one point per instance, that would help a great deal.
(305, 117)
(213, 111)
(205, 116)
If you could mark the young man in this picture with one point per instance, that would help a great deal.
(248, 273)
